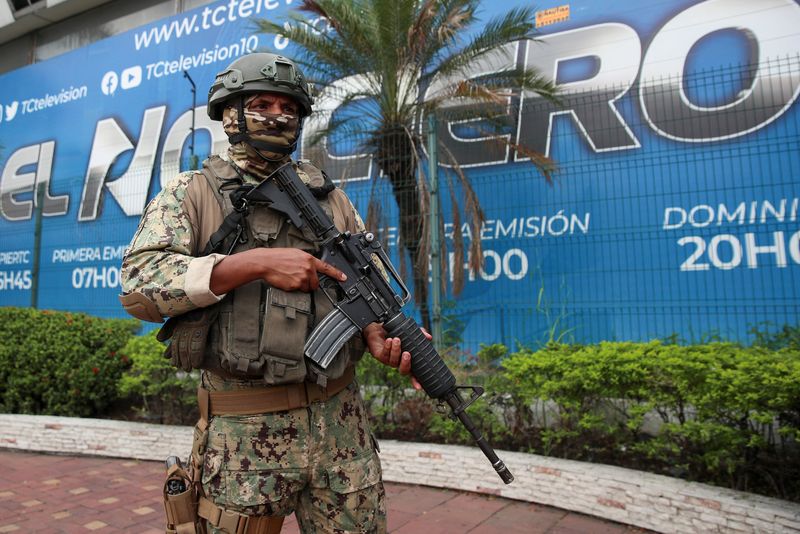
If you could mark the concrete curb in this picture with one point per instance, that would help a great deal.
(646, 500)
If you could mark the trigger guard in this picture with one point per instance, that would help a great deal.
(326, 283)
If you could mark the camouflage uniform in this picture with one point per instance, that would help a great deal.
(320, 461)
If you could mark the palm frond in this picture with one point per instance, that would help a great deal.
(489, 97)
(347, 20)
(318, 49)
(458, 239)
(472, 208)
(435, 37)
(545, 164)
(516, 25)
(416, 36)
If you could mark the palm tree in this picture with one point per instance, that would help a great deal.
(395, 48)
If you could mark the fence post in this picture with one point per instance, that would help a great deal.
(37, 243)
(435, 222)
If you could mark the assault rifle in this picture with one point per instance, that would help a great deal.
(366, 297)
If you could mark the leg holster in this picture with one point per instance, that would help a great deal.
(181, 506)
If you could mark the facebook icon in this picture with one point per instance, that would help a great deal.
(109, 83)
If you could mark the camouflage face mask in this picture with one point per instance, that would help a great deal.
(277, 129)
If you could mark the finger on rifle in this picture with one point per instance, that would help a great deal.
(415, 383)
(387, 349)
(330, 270)
(394, 355)
(405, 364)
(312, 282)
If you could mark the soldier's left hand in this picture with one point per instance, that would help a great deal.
(388, 350)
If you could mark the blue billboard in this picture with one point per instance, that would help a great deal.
(674, 210)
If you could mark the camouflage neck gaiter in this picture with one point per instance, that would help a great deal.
(278, 129)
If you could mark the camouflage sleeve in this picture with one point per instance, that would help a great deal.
(160, 262)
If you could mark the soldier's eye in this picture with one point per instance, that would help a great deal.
(260, 105)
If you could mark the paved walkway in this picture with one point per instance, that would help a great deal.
(78, 494)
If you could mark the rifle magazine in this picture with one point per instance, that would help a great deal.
(328, 338)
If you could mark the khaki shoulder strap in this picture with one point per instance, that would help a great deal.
(218, 173)
(316, 177)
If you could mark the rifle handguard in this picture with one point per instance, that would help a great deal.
(427, 366)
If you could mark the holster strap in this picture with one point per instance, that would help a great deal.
(254, 401)
(236, 523)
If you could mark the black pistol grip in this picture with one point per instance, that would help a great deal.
(428, 367)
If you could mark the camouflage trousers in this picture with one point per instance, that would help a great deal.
(318, 462)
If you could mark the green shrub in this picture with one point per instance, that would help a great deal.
(60, 363)
(729, 414)
(718, 412)
(766, 335)
(384, 391)
(157, 390)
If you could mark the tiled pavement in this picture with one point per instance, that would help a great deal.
(67, 494)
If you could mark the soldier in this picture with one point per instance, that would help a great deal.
(276, 434)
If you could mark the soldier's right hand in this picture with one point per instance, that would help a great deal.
(292, 269)
(289, 269)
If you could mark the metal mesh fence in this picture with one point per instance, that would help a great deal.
(672, 212)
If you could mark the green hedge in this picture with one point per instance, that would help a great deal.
(60, 363)
(153, 388)
(727, 413)
(718, 413)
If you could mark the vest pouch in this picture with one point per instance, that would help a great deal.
(303, 239)
(180, 502)
(240, 331)
(181, 511)
(265, 225)
(283, 337)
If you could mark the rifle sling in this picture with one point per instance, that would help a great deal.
(234, 220)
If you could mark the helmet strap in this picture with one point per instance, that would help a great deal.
(241, 122)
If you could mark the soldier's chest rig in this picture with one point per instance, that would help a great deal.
(260, 331)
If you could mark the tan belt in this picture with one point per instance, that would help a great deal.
(252, 401)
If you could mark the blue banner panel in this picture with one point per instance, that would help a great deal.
(674, 210)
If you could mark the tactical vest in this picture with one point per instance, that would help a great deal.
(259, 331)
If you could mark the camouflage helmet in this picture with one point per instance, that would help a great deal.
(259, 72)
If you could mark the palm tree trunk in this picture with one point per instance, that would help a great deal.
(396, 158)
(411, 236)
